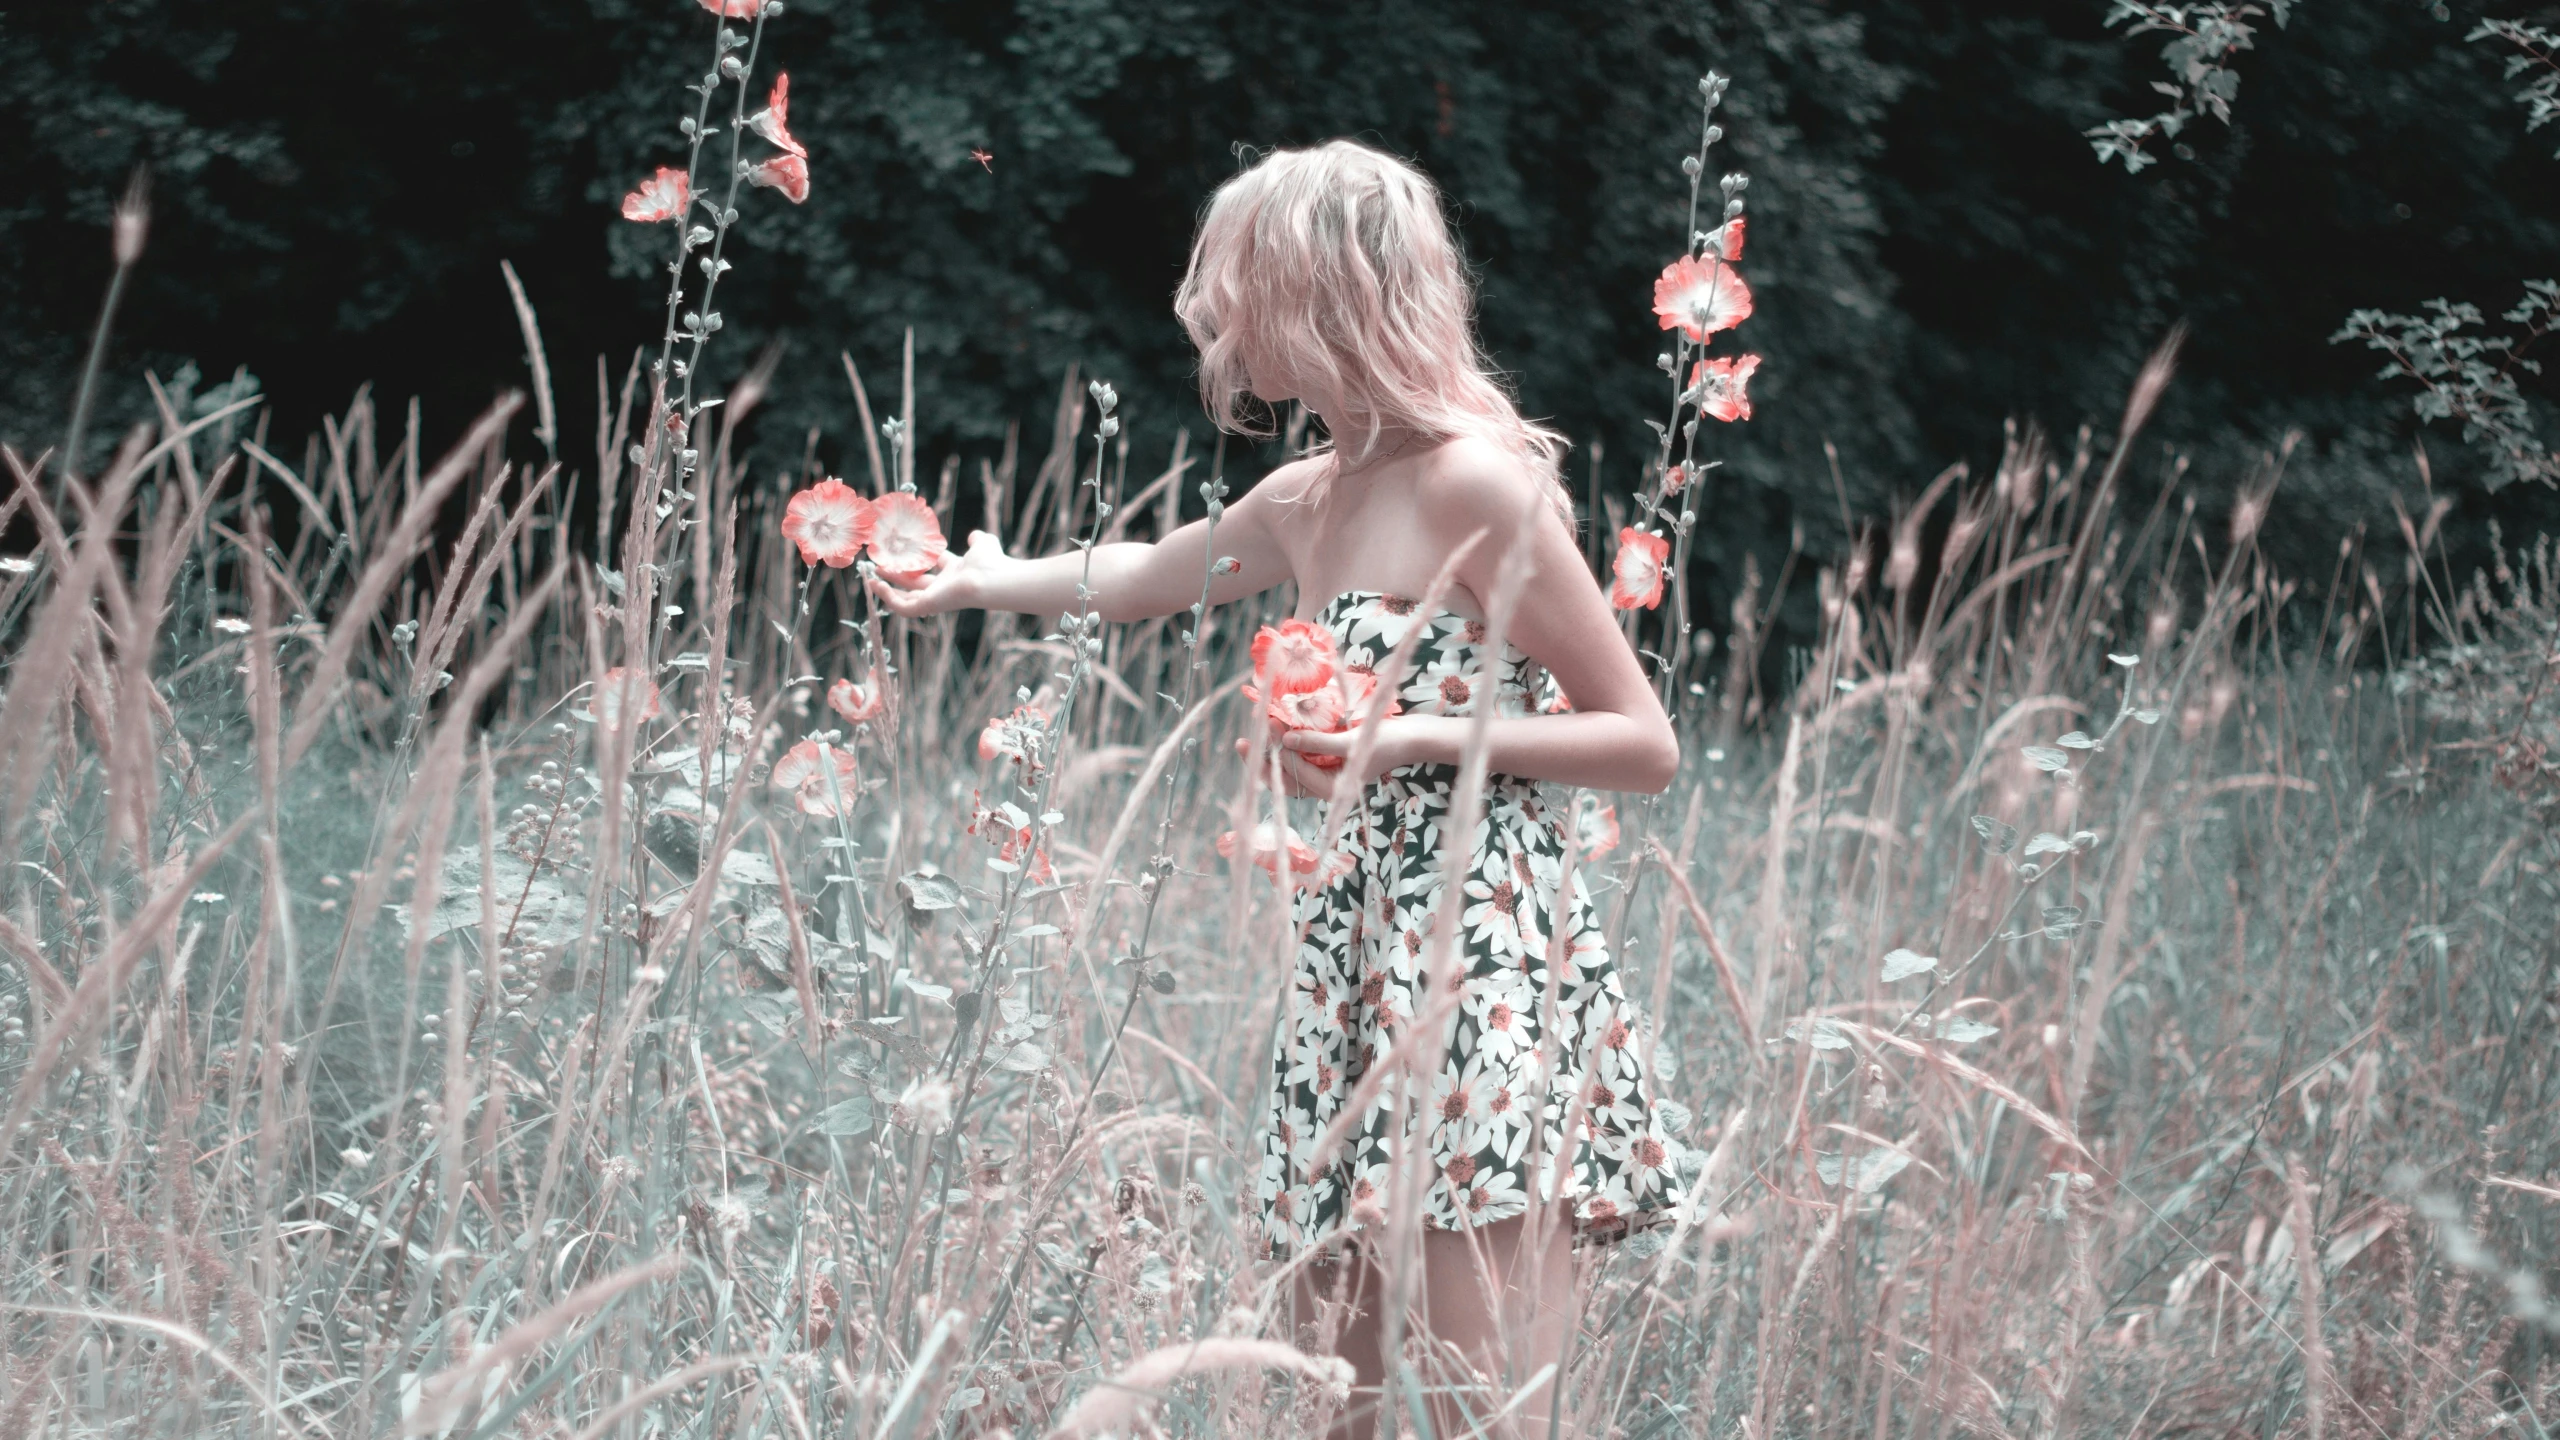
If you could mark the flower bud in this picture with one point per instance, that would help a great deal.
(1690, 166)
(2245, 517)
(1110, 426)
(133, 221)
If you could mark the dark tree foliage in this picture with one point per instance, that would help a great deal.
(2374, 158)
(1933, 247)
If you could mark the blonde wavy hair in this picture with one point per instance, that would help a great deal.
(1334, 267)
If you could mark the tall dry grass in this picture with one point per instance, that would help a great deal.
(395, 1043)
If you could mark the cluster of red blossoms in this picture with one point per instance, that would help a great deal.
(1301, 683)
(668, 194)
(1697, 295)
(832, 524)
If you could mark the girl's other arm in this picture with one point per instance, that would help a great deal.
(1617, 737)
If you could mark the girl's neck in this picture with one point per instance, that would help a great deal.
(1358, 449)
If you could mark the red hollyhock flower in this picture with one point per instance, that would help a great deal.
(1271, 846)
(829, 522)
(786, 173)
(1595, 826)
(1701, 296)
(1331, 709)
(804, 769)
(1726, 388)
(1727, 239)
(624, 696)
(1297, 655)
(859, 704)
(734, 9)
(662, 196)
(1727, 395)
(773, 122)
(1015, 736)
(1636, 575)
(906, 541)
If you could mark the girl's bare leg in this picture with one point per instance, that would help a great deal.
(1498, 1297)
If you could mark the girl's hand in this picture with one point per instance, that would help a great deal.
(961, 583)
(1388, 751)
(1297, 779)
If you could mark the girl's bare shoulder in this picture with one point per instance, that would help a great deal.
(1290, 484)
(1475, 482)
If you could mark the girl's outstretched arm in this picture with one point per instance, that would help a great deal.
(1130, 579)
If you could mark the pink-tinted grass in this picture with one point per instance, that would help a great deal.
(388, 1047)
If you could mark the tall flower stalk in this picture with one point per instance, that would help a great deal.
(680, 198)
(1697, 296)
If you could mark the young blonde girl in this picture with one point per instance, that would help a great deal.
(1328, 276)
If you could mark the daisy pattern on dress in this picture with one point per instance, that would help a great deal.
(1498, 1125)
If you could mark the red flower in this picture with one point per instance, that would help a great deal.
(906, 541)
(1701, 296)
(662, 196)
(1271, 845)
(773, 122)
(1636, 575)
(624, 696)
(734, 9)
(1676, 479)
(804, 768)
(1330, 708)
(862, 703)
(829, 522)
(1727, 241)
(1016, 736)
(1296, 656)
(1595, 827)
(787, 173)
(1726, 394)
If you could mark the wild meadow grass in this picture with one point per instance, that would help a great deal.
(471, 969)
(412, 1030)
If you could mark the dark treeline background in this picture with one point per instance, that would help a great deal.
(1934, 248)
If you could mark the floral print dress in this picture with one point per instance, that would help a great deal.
(1513, 1087)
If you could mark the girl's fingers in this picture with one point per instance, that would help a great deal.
(1305, 780)
(1318, 742)
(907, 604)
